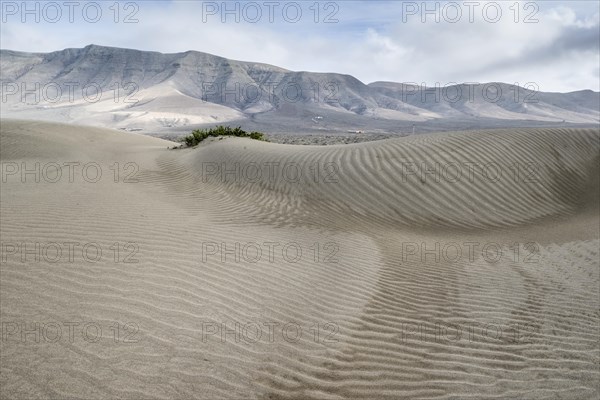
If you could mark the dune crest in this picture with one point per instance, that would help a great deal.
(459, 180)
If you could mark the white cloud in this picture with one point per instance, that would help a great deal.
(372, 41)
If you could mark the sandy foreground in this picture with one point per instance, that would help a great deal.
(451, 266)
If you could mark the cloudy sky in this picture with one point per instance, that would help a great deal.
(555, 45)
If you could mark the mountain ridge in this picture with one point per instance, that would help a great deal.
(158, 92)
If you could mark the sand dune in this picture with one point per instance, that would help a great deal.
(455, 265)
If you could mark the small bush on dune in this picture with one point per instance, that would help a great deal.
(200, 135)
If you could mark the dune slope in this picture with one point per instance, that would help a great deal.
(458, 265)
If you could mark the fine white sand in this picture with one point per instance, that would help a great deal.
(379, 304)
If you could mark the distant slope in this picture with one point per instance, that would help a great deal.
(122, 88)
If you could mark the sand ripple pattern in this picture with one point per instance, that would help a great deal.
(392, 324)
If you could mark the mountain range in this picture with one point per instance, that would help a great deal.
(157, 93)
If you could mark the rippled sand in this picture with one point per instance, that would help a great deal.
(454, 265)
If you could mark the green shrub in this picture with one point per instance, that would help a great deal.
(199, 135)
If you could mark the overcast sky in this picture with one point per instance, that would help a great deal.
(553, 44)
